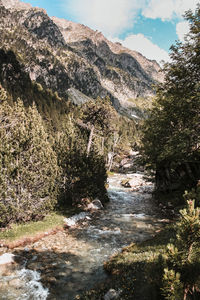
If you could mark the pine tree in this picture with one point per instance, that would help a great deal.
(28, 165)
(80, 175)
(172, 286)
(66, 145)
(172, 131)
(98, 116)
(181, 279)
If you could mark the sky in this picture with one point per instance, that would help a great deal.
(147, 26)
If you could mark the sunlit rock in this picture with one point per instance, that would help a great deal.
(125, 183)
(74, 219)
(95, 205)
(7, 258)
(112, 294)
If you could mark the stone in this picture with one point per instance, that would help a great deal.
(34, 265)
(7, 269)
(16, 283)
(112, 294)
(95, 205)
(7, 258)
(74, 219)
(125, 183)
(52, 280)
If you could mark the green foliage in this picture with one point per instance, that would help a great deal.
(18, 231)
(182, 276)
(141, 267)
(172, 286)
(111, 133)
(53, 220)
(99, 113)
(81, 176)
(171, 133)
(193, 194)
(18, 84)
(87, 176)
(42, 164)
(28, 165)
(165, 267)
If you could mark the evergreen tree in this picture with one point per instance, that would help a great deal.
(172, 132)
(81, 176)
(181, 279)
(172, 286)
(28, 165)
(98, 117)
(66, 145)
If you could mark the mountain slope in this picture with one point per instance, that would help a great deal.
(125, 73)
(61, 55)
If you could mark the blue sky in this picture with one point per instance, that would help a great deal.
(147, 26)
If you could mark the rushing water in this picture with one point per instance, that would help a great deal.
(22, 284)
(130, 216)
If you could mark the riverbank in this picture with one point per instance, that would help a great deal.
(71, 261)
(134, 272)
(23, 234)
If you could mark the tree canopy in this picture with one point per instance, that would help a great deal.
(171, 135)
(28, 164)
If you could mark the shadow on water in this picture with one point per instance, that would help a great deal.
(58, 272)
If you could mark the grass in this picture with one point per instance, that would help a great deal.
(18, 231)
(131, 270)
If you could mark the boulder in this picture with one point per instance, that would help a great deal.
(95, 205)
(69, 222)
(125, 183)
(112, 294)
(7, 258)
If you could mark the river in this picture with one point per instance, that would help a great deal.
(63, 265)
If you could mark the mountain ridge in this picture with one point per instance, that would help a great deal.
(81, 31)
(61, 54)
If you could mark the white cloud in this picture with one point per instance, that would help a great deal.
(182, 28)
(109, 16)
(140, 43)
(113, 17)
(168, 9)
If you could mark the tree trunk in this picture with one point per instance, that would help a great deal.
(102, 145)
(90, 140)
(110, 162)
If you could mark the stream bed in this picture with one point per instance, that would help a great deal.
(63, 265)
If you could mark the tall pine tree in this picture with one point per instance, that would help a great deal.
(28, 164)
(171, 136)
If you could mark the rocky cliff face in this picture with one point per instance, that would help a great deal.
(61, 55)
(125, 73)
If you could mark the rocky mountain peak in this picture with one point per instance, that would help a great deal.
(15, 4)
(39, 24)
(62, 55)
(74, 32)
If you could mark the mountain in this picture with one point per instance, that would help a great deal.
(64, 56)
